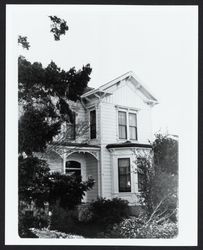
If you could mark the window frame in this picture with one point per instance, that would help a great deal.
(73, 169)
(129, 172)
(95, 124)
(130, 126)
(121, 125)
(128, 111)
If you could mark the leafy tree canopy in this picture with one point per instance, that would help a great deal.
(24, 42)
(58, 27)
(165, 154)
(43, 94)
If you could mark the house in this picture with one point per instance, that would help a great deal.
(111, 133)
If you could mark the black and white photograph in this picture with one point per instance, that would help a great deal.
(101, 126)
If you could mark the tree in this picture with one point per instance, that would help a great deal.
(159, 194)
(58, 27)
(23, 41)
(165, 154)
(43, 94)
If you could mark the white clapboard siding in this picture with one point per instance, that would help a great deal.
(92, 170)
(124, 95)
(108, 123)
(106, 173)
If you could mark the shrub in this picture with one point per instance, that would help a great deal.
(155, 230)
(67, 190)
(25, 221)
(107, 212)
(136, 228)
(85, 213)
(62, 219)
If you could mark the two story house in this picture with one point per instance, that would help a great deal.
(111, 133)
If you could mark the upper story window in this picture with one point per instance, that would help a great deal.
(133, 126)
(124, 175)
(127, 125)
(93, 124)
(122, 124)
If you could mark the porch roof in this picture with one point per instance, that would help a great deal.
(80, 145)
(128, 144)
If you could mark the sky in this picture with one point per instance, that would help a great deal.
(158, 43)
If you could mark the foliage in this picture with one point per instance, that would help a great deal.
(33, 180)
(58, 27)
(165, 154)
(106, 211)
(62, 219)
(35, 131)
(68, 190)
(136, 228)
(85, 213)
(23, 41)
(159, 194)
(37, 184)
(39, 84)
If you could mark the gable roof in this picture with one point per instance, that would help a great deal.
(129, 75)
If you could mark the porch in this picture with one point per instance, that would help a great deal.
(80, 160)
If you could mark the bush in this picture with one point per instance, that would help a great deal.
(85, 213)
(136, 228)
(155, 230)
(67, 190)
(26, 221)
(107, 212)
(63, 219)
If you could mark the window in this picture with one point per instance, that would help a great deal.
(133, 126)
(122, 124)
(141, 174)
(92, 124)
(73, 168)
(127, 125)
(124, 175)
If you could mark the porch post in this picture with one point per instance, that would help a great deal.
(64, 163)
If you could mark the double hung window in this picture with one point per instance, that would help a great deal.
(73, 168)
(122, 123)
(93, 124)
(124, 175)
(127, 125)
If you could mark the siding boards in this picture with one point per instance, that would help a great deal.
(92, 170)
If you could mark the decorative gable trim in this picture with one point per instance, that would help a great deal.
(103, 90)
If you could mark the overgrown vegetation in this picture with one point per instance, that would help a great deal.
(43, 94)
(92, 219)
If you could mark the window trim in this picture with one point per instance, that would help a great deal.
(125, 126)
(127, 111)
(73, 169)
(131, 183)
